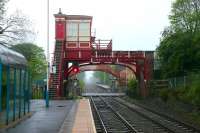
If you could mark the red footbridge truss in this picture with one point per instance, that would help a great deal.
(75, 44)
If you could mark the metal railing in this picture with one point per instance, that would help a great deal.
(102, 45)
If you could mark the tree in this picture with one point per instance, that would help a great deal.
(103, 77)
(179, 48)
(81, 76)
(2, 8)
(185, 15)
(35, 57)
(13, 28)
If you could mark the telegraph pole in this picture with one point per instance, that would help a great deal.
(48, 64)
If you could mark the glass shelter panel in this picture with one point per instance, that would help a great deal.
(17, 93)
(26, 93)
(11, 94)
(3, 97)
(22, 93)
(13, 86)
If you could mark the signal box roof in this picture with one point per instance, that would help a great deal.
(72, 17)
(10, 57)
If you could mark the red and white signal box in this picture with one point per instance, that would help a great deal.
(75, 32)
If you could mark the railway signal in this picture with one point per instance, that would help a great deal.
(75, 69)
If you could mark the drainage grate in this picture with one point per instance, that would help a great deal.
(60, 106)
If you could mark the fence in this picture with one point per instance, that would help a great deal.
(184, 80)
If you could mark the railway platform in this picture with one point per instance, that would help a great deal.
(44, 120)
(62, 116)
(102, 94)
(82, 122)
(103, 86)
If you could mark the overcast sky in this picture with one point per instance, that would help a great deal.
(132, 24)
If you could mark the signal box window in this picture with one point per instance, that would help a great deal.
(84, 31)
(72, 31)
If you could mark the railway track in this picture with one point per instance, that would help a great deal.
(108, 120)
(168, 122)
(113, 113)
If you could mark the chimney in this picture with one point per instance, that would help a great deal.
(60, 12)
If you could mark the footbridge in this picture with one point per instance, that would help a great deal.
(75, 44)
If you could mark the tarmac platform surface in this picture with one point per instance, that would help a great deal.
(62, 116)
(44, 120)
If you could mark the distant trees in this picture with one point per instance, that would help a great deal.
(103, 77)
(179, 49)
(36, 59)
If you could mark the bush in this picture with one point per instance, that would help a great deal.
(132, 88)
(177, 94)
(82, 85)
(164, 94)
(193, 94)
(71, 96)
(181, 94)
(189, 94)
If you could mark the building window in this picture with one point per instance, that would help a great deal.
(78, 30)
(72, 31)
(84, 31)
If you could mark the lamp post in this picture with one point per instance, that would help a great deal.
(48, 65)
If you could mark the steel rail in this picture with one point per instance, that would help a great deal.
(99, 116)
(166, 117)
(147, 117)
(128, 125)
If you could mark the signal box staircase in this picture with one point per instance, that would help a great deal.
(55, 77)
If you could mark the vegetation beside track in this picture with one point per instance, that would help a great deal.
(179, 55)
(132, 90)
(184, 101)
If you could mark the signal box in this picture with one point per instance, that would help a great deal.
(75, 32)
